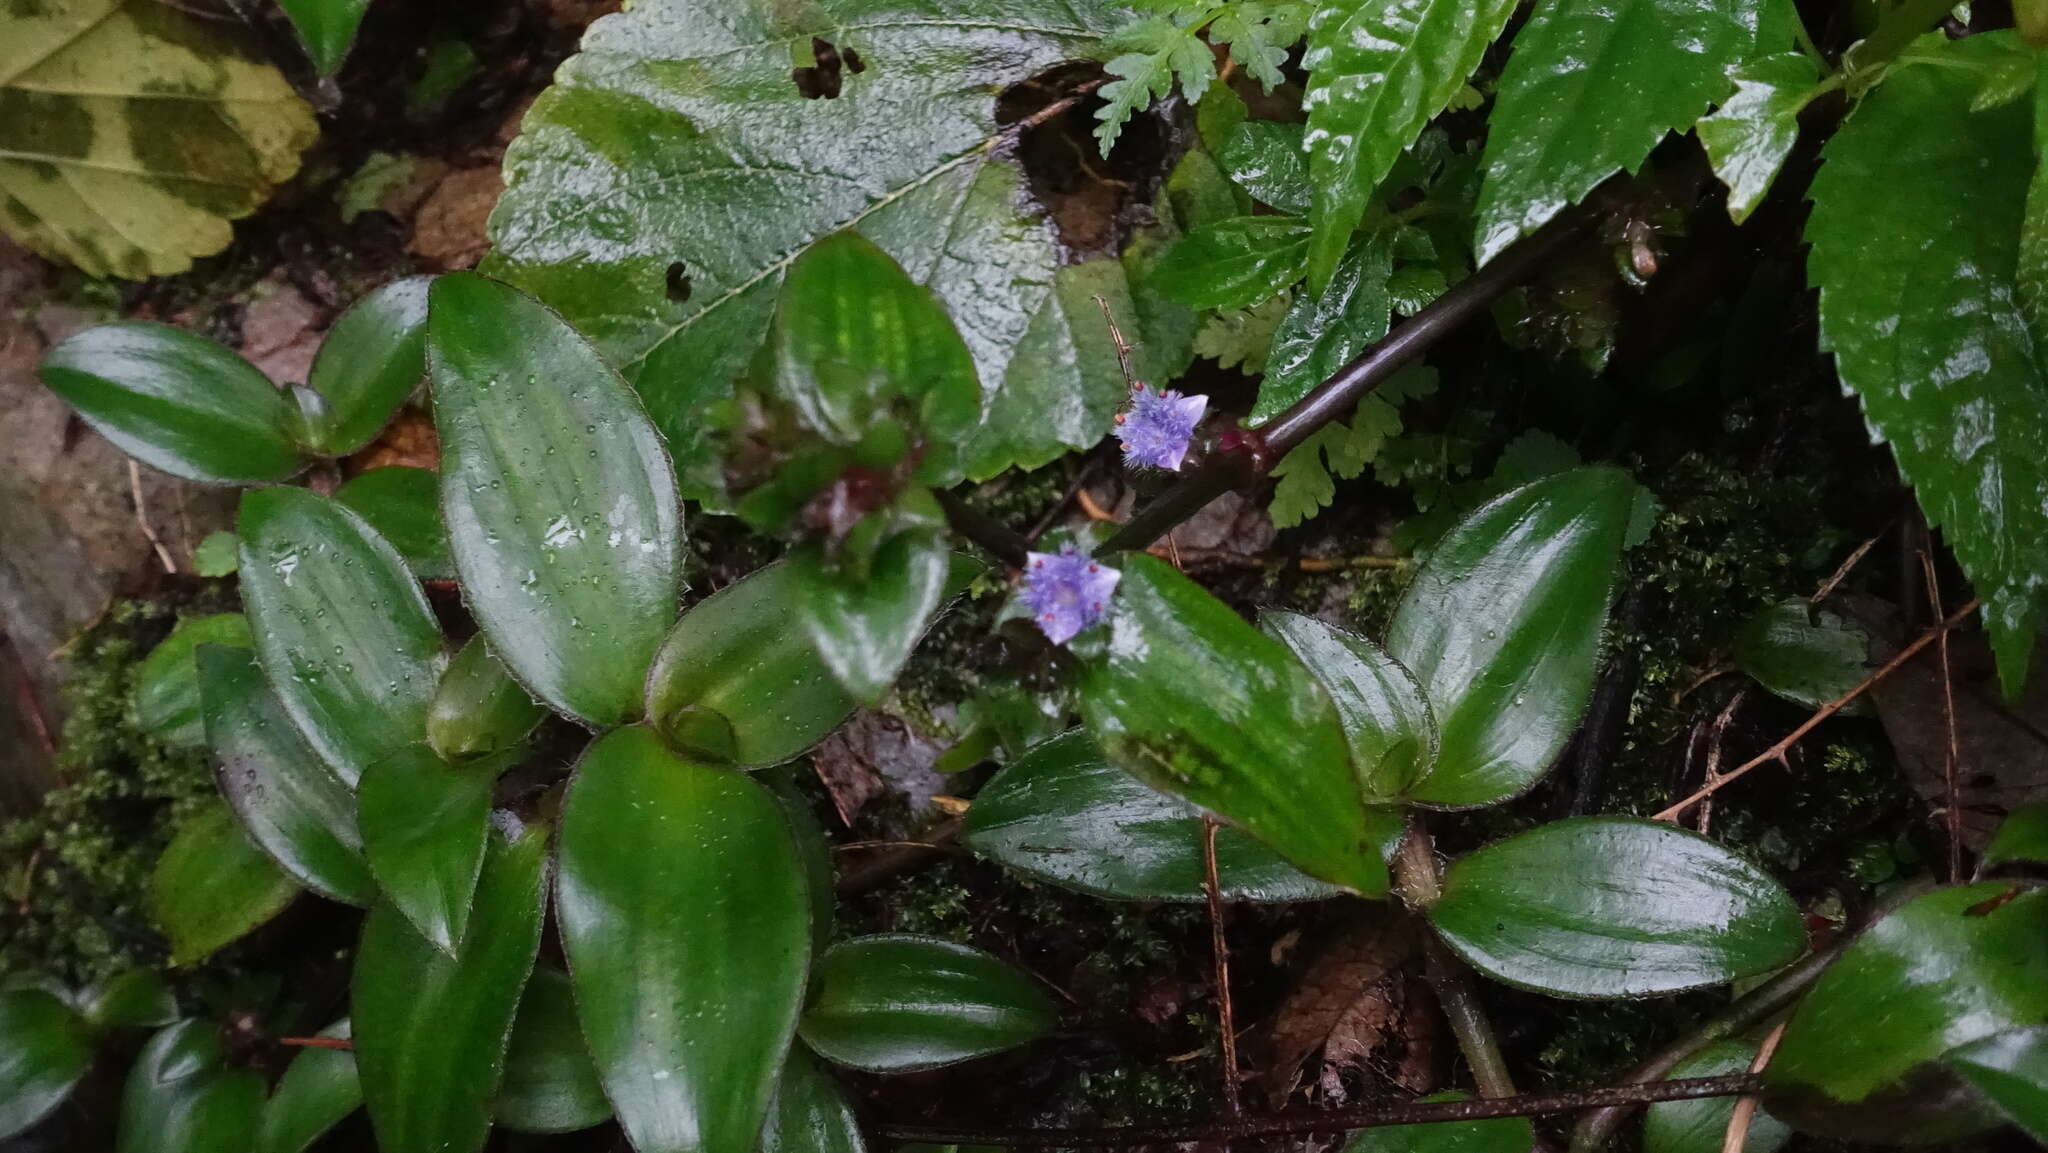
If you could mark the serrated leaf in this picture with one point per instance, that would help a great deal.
(219, 555)
(1591, 87)
(560, 501)
(1808, 656)
(550, 1084)
(327, 28)
(318, 1089)
(895, 1003)
(1236, 263)
(1701, 1126)
(1265, 158)
(682, 903)
(425, 824)
(212, 885)
(1166, 51)
(1241, 338)
(1749, 136)
(1915, 211)
(907, 153)
(166, 694)
(1378, 72)
(1321, 334)
(132, 133)
(182, 1097)
(404, 506)
(1387, 722)
(45, 1047)
(369, 362)
(1259, 34)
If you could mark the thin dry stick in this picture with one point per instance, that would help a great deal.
(1827, 586)
(1745, 1107)
(317, 1042)
(163, 555)
(1777, 751)
(1951, 764)
(1719, 732)
(1225, 1018)
(1123, 347)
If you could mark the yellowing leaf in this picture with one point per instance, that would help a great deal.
(132, 134)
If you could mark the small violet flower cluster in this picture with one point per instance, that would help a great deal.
(1066, 591)
(1158, 427)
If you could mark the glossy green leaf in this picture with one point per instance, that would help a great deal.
(181, 1096)
(294, 807)
(45, 1047)
(478, 709)
(735, 682)
(341, 626)
(2031, 271)
(1701, 1126)
(1063, 812)
(212, 885)
(1749, 136)
(1950, 967)
(1235, 263)
(560, 501)
(1198, 703)
(177, 402)
(1494, 1135)
(1378, 72)
(1502, 627)
(404, 506)
(550, 1084)
(326, 27)
(1591, 87)
(685, 916)
(1386, 720)
(166, 694)
(810, 1114)
(219, 555)
(1615, 907)
(1807, 656)
(1266, 159)
(2022, 836)
(1914, 218)
(864, 630)
(318, 1089)
(431, 1030)
(895, 1002)
(2011, 1070)
(130, 999)
(1320, 334)
(425, 823)
(370, 361)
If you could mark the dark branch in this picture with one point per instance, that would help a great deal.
(984, 530)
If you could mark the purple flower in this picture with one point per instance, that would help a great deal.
(1158, 427)
(1066, 591)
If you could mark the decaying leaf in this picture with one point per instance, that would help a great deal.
(877, 754)
(131, 134)
(1353, 1005)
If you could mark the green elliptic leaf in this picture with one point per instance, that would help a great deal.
(663, 236)
(431, 1030)
(1064, 813)
(212, 885)
(219, 555)
(1266, 159)
(341, 626)
(1860, 1055)
(1196, 702)
(294, 807)
(326, 27)
(166, 694)
(131, 134)
(181, 1097)
(478, 709)
(685, 916)
(2031, 272)
(1378, 72)
(1502, 628)
(425, 823)
(1701, 1126)
(1235, 263)
(560, 501)
(1914, 218)
(1320, 334)
(1590, 89)
(1749, 136)
(735, 682)
(45, 1047)
(550, 1084)
(864, 630)
(2011, 1070)
(1615, 907)
(371, 360)
(810, 1114)
(173, 400)
(1808, 657)
(1388, 723)
(895, 1003)
(130, 999)
(404, 506)
(1494, 1135)
(318, 1089)
(2022, 836)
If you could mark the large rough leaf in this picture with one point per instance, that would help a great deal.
(1321, 333)
(131, 133)
(550, 1084)
(662, 187)
(1378, 71)
(425, 823)
(1198, 703)
(1749, 136)
(1063, 812)
(685, 916)
(341, 626)
(1859, 1057)
(1502, 627)
(431, 1030)
(1592, 86)
(1388, 723)
(1615, 907)
(896, 1002)
(1915, 215)
(45, 1047)
(183, 1097)
(212, 885)
(166, 695)
(561, 504)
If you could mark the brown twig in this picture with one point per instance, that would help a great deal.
(883, 864)
(1777, 751)
(1226, 1021)
(342, 1043)
(1827, 587)
(163, 555)
(1745, 1106)
(1716, 738)
(1075, 489)
(1951, 763)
